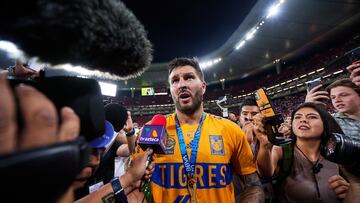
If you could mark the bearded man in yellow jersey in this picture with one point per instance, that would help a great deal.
(202, 150)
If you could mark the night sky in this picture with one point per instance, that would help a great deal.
(189, 28)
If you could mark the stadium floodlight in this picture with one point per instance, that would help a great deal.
(250, 35)
(337, 72)
(108, 89)
(11, 49)
(273, 10)
(240, 44)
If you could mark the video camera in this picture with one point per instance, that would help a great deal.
(36, 167)
(342, 149)
(83, 95)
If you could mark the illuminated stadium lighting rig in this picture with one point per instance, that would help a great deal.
(337, 72)
(311, 73)
(272, 11)
(11, 49)
(108, 89)
(209, 63)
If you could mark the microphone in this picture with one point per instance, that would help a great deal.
(116, 115)
(153, 135)
(317, 167)
(99, 35)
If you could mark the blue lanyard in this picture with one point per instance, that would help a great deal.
(189, 166)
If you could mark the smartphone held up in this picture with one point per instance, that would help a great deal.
(272, 121)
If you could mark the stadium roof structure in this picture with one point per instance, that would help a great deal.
(236, 39)
(259, 39)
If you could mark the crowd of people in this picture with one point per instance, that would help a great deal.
(208, 158)
(250, 154)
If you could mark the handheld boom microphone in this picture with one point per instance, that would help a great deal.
(153, 135)
(100, 35)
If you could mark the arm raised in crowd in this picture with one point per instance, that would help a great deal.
(315, 95)
(354, 70)
(130, 133)
(268, 155)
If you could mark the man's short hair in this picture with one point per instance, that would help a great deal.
(182, 61)
(247, 102)
(345, 82)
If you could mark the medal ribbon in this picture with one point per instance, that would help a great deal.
(189, 165)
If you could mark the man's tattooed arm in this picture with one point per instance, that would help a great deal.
(251, 190)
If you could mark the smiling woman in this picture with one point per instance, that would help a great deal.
(311, 177)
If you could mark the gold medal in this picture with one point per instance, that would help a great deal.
(192, 189)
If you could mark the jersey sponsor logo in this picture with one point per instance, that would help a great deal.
(208, 175)
(217, 145)
(170, 145)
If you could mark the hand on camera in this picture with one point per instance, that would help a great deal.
(41, 122)
(19, 70)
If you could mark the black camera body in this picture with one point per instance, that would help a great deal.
(342, 149)
(83, 95)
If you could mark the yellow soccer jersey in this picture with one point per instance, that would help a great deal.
(221, 142)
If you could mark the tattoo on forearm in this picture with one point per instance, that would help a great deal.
(109, 198)
(252, 191)
(250, 180)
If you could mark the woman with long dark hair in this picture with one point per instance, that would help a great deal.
(311, 177)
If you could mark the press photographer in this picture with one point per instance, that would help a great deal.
(36, 141)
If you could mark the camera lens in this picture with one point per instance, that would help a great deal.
(343, 150)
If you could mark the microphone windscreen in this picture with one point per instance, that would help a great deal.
(102, 35)
(158, 119)
(116, 115)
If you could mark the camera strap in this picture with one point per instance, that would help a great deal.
(286, 163)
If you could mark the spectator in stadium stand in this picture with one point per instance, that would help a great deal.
(285, 127)
(233, 117)
(311, 178)
(248, 109)
(345, 98)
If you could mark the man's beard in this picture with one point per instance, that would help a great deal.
(188, 110)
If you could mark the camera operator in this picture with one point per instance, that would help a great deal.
(42, 129)
(100, 170)
(41, 126)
